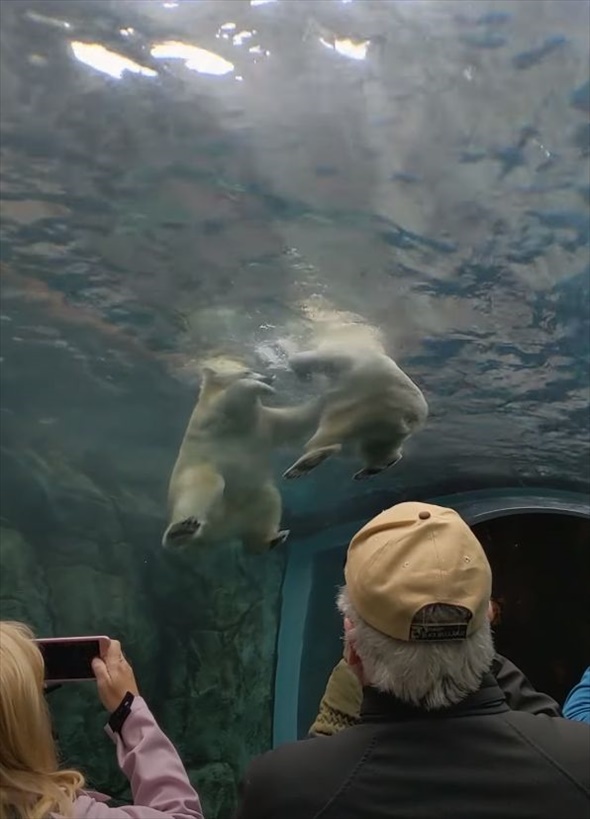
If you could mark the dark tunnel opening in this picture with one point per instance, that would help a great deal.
(541, 566)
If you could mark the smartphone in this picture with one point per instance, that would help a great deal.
(70, 658)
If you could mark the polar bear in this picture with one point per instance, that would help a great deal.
(370, 406)
(222, 485)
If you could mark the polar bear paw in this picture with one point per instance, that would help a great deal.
(280, 538)
(310, 461)
(370, 471)
(178, 532)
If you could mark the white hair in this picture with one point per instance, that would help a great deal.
(427, 675)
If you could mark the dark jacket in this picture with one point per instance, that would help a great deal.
(475, 760)
(520, 694)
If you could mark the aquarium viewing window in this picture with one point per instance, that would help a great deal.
(309, 643)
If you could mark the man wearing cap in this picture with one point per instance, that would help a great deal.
(436, 737)
(340, 706)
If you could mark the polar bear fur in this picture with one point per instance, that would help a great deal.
(222, 485)
(370, 407)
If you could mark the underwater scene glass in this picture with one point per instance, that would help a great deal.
(361, 220)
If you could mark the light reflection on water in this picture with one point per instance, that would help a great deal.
(417, 167)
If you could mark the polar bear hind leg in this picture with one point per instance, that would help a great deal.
(262, 532)
(320, 446)
(310, 461)
(193, 493)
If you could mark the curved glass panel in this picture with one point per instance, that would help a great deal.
(206, 182)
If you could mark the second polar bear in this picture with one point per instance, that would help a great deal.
(370, 407)
(222, 485)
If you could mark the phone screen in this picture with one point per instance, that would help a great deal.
(69, 659)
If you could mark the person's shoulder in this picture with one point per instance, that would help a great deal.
(88, 805)
(274, 777)
(299, 751)
(296, 759)
(558, 728)
(577, 704)
(566, 744)
(299, 778)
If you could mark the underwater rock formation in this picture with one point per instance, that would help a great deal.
(200, 630)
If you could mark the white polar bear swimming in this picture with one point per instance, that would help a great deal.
(222, 485)
(370, 407)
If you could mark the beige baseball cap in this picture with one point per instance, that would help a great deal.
(413, 555)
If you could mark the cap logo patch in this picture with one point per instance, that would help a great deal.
(439, 632)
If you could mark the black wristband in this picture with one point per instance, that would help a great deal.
(120, 714)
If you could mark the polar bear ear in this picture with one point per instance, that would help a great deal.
(209, 376)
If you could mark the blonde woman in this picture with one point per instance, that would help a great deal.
(33, 786)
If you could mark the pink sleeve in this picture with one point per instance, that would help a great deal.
(159, 782)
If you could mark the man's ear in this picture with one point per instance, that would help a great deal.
(350, 655)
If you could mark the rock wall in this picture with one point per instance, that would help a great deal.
(200, 630)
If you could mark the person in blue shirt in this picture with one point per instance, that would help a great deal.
(577, 704)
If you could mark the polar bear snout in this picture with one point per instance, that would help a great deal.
(264, 379)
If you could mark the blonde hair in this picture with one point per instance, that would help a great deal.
(31, 784)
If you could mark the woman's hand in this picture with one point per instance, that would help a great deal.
(114, 676)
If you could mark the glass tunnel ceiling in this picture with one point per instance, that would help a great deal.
(186, 180)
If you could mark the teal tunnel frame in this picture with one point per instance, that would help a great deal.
(475, 507)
